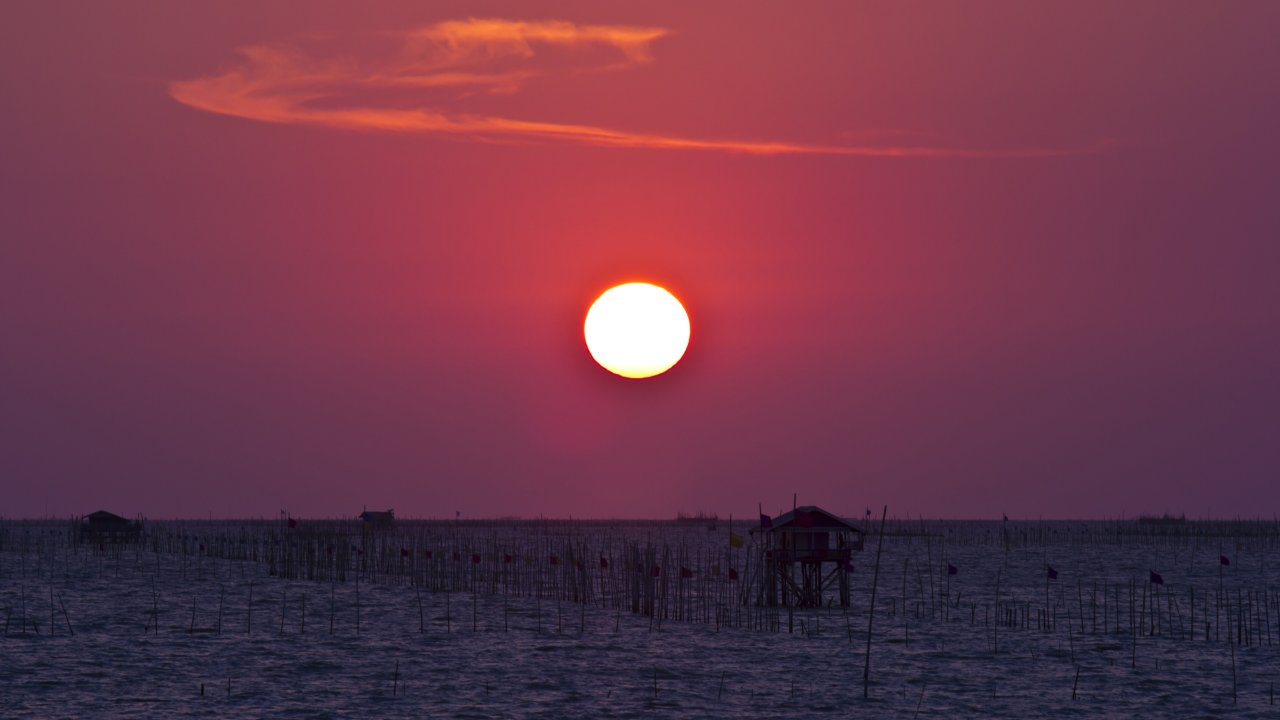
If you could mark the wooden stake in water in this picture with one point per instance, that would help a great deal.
(1234, 697)
(65, 616)
(871, 612)
(920, 701)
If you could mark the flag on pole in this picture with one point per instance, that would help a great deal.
(293, 523)
(1051, 573)
(765, 521)
(201, 547)
(328, 550)
(404, 552)
(1224, 560)
(475, 558)
(427, 554)
(604, 563)
(952, 569)
(554, 560)
(804, 518)
(1156, 578)
(506, 558)
(685, 572)
(733, 574)
(735, 540)
(657, 571)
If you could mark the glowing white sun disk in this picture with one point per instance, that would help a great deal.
(637, 330)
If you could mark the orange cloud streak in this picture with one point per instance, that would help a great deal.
(277, 85)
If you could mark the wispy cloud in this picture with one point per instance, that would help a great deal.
(278, 84)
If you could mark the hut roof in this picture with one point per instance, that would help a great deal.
(811, 518)
(102, 516)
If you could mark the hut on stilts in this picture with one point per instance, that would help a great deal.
(807, 552)
(103, 527)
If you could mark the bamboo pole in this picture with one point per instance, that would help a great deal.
(871, 611)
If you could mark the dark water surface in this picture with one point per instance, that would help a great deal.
(483, 657)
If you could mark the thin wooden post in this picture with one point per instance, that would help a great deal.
(871, 613)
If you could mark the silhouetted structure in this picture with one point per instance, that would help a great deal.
(378, 518)
(1162, 520)
(806, 539)
(708, 520)
(104, 527)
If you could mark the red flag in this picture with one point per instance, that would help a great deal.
(1052, 573)
(952, 569)
(685, 572)
(804, 518)
(1156, 578)
(293, 523)
(1224, 560)
(506, 559)
(328, 550)
(555, 560)
(604, 564)
(733, 574)
(475, 558)
(657, 571)
(404, 552)
(427, 554)
(201, 547)
(765, 521)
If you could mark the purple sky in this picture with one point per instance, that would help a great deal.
(960, 259)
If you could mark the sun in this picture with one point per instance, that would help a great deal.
(637, 330)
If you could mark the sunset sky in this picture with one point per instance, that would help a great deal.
(957, 258)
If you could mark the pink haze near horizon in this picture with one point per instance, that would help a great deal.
(962, 260)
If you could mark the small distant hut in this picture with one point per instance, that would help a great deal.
(1165, 520)
(806, 552)
(378, 518)
(105, 527)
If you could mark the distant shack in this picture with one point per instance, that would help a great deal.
(105, 527)
(1165, 520)
(378, 518)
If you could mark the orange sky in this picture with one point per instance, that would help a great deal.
(961, 259)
